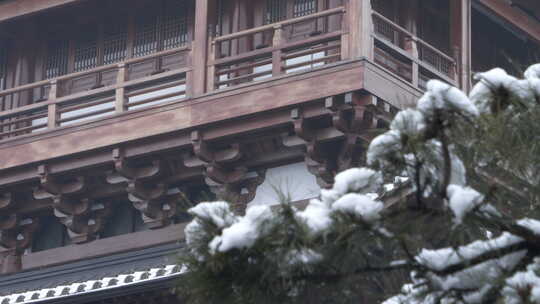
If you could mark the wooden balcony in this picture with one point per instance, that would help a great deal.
(218, 111)
(285, 47)
(98, 93)
(408, 56)
(277, 56)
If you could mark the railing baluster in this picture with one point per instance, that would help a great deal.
(276, 54)
(211, 72)
(189, 84)
(411, 46)
(52, 109)
(120, 103)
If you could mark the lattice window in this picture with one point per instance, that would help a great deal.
(115, 43)
(86, 50)
(156, 31)
(57, 59)
(174, 25)
(276, 10)
(146, 34)
(304, 7)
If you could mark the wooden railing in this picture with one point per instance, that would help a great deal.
(409, 56)
(97, 93)
(279, 48)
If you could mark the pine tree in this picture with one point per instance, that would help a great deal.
(466, 174)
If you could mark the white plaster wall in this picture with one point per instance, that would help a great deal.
(293, 179)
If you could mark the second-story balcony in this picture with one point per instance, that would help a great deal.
(154, 57)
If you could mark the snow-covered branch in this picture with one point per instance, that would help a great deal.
(351, 231)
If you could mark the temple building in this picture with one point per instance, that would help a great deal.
(118, 116)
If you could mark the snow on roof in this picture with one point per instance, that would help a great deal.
(92, 286)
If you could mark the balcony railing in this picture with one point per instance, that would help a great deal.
(409, 56)
(98, 93)
(284, 47)
(294, 45)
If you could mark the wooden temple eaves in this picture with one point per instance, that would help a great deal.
(214, 104)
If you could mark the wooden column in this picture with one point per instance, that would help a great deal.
(199, 51)
(360, 27)
(52, 109)
(460, 32)
(276, 54)
(120, 103)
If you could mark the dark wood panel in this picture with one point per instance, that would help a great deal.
(142, 69)
(174, 61)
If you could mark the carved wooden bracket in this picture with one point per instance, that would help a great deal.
(16, 233)
(147, 195)
(51, 184)
(329, 150)
(84, 219)
(239, 194)
(6, 201)
(223, 174)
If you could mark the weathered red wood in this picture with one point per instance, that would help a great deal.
(200, 42)
(250, 100)
(14, 9)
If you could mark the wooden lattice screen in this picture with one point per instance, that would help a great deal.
(86, 50)
(161, 29)
(276, 10)
(174, 26)
(304, 7)
(114, 42)
(146, 33)
(57, 58)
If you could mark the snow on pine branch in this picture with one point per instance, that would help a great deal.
(415, 146)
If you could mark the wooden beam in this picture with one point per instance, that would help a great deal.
(19, 8)
(516, 17)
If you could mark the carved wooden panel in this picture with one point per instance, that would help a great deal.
(302, 30)
(141, 69)
(108, 77)
(174, 61)
(80, 84)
